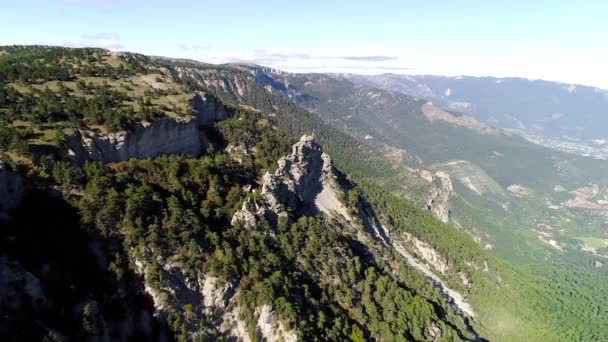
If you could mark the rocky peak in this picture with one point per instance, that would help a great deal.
(305, 181)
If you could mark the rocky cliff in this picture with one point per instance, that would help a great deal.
(207, 109)
(146, 140)
(167, 135)
(11, 190)
(437, 201)
(305, 181)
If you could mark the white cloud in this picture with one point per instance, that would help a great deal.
(363, 59)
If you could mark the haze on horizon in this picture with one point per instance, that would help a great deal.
(550, 40)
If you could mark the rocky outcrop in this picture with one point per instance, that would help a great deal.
(426, 257)
(216, 294)
(145, 140)
(203, 298)
(209, 300)
(167, 135)
(207, 109)
(268, 328)
(305, 181)
(227, 83)
(437, 201)
(12, 190)
(427, 253)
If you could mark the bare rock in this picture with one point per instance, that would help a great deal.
(167, 135)
(304, 181)
(437, 201)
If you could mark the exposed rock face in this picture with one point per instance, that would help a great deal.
(427, 258)
(219, 81)
(427, 253)
(12, 190)
(204, 296)
(165, 135)
(207, 109)
(162, 136)
(437, 201)
(268, 328)
(215, 293)
(304, 181)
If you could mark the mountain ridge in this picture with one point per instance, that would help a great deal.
(345, 254)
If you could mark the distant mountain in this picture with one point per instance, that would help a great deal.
(534, 107)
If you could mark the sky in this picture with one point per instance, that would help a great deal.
(556, 40)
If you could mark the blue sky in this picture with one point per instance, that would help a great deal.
(554, 40)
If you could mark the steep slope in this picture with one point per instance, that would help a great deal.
(500, 220)
(165, 240)
(441, 139)
(305, 181)
(251, 85)
(252, 234)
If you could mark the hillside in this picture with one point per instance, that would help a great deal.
(506, 171)
(181, 200)
(568, 117)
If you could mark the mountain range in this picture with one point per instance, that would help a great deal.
(567, 117)
(166, 199)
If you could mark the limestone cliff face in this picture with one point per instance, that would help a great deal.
(162, 136)
(218, 81)
(210, 299)
(11, 190)
(147, 140)
(305, 181)
(437, 201)
(205, 295)
(207, 109)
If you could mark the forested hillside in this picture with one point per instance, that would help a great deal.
(160, 199)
